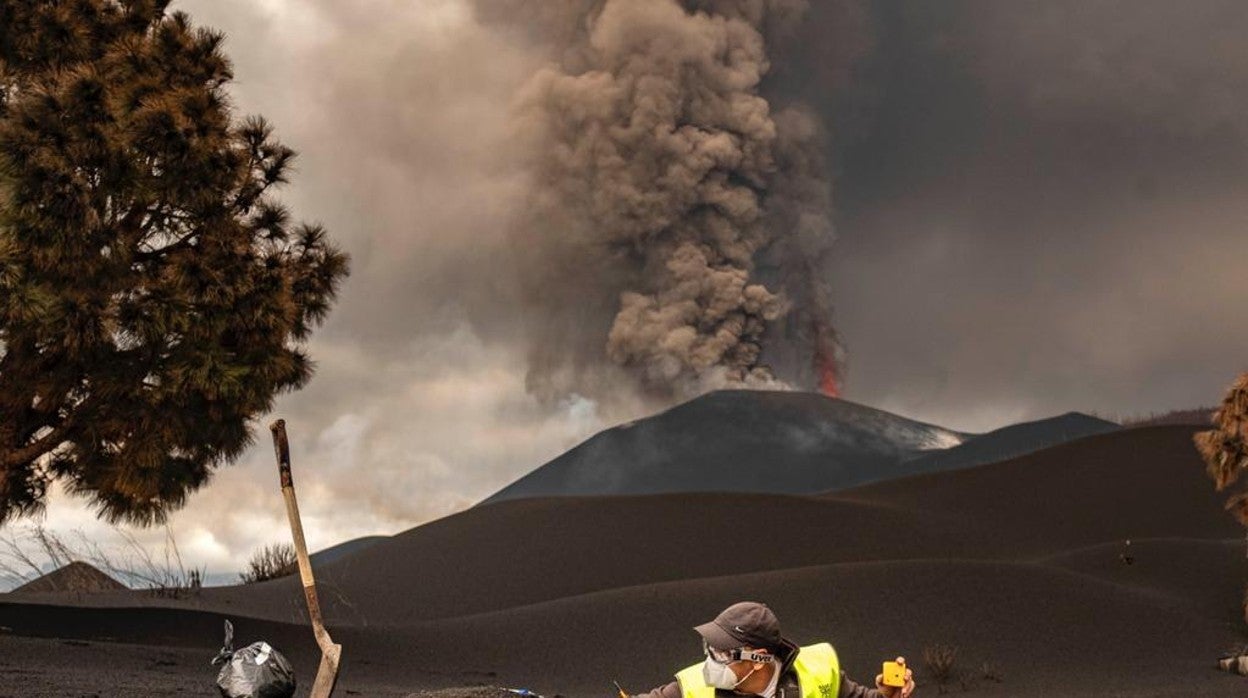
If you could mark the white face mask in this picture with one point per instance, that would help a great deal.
(721, 676)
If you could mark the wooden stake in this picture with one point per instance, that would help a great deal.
(327, 672)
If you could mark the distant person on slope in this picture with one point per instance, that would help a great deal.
(746, 655)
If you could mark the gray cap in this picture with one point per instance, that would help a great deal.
(747, 623)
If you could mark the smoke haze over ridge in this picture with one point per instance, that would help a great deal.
(1038, 209)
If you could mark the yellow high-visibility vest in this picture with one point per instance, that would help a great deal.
(818, 675)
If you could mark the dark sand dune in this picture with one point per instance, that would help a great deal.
(1041, 627)
(1037, 625)
(1135, 483)
(1011, 442)
(524, 552)
(1145, 483)
(779, 442)
(1209, 575)
(335, 553)
(1017, 563)
(1139, 484)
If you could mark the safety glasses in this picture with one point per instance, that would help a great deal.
(734, 655)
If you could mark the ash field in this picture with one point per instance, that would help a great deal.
(1021, 563)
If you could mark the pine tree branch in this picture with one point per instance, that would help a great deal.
(61, 427)
(40, 447)
(181, 243)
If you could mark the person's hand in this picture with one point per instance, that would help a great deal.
(896, 691)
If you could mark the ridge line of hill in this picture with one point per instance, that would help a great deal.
(1056, 570)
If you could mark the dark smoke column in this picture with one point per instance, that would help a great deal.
(665, 190)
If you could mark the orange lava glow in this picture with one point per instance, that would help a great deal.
(828, 386)
(829, 383)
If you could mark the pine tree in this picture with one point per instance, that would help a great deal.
(1225, 452)
(154, 295)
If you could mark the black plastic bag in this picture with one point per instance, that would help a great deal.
(255, 671)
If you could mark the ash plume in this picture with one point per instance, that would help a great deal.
(677, 234)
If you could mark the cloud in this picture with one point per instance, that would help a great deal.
(1039, 205)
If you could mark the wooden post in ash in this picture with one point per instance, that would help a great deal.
(327, 673)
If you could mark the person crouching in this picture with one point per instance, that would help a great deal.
(747, 655)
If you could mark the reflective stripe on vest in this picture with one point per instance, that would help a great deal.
(818, 675)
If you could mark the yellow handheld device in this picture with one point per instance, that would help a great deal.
(894, 674)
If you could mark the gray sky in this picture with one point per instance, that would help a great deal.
(1039, 209)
